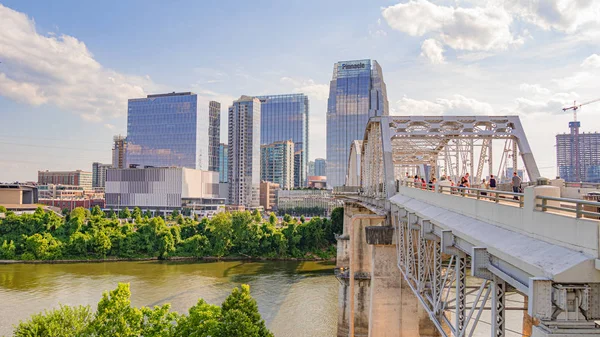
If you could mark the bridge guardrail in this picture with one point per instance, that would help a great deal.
(477, 193)
(570, 206)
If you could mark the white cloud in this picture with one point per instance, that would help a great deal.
(109, 126)
(473, 29)
(568, 16)
(535, 89)
(308, 87)
(456, 105)
(433, 51)
(592, 61)
(60, 70)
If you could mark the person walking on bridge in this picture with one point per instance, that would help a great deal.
(516, 185)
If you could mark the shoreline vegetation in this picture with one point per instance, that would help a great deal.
(237, 316)
(83, 236)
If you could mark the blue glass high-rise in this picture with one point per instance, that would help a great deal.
(356, 93)
(168, 130)
(285, 117)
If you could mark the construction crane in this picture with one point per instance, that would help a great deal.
(574, 126)
(575, 107)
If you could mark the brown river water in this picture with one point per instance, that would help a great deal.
(294, 298)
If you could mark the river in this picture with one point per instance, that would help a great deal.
(294, 298)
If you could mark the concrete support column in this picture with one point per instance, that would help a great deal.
(360, 264)
(386, 293)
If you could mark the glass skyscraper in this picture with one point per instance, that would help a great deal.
(285, 117)
(168, 130)
(223, 153)
(277, 163)
(320, 167)
(356, 93)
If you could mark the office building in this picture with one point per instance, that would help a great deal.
(119, 152)
(18, 194)
(285, 117)
(320, 167)
(306, 202)
(268, 195)
(299, 165)
(99, 174)
(214, 135)
(223, 153)
(578, 157)
(356, 93)
(168, 130)
(76, 178)
(243, 163)
(277, 163)
(163, 189)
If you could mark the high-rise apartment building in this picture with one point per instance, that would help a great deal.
(277, 163)
(578, 162)
(119, 152)
(223, 153)
(99, 174)
(356, 93)
(75, 178)
(268, 194)
(214, 135)
(320, 167)
(168, 130)
(244, 152)
(285, 117)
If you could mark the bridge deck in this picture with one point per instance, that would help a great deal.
(534, 256)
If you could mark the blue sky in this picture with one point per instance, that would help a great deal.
(68, 67)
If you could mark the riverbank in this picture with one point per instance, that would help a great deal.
(180, 258)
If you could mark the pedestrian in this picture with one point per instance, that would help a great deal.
(492, 185)
(423, 183)
(516, 185)
(484, 186)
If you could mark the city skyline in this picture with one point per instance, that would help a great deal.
(528, 61)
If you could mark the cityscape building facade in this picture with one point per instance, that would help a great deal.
(300, 202)
(99, 174)
(76, 178)
(163, 189)
(268, 194)
(285, 117)
(243, 164)
(357, 92)
(277, 163)
(578, 162)
(168, 130)
(223, 153)
(214, 135)
(320, 167)
(119, 152)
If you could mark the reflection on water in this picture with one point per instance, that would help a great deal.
(294, 298)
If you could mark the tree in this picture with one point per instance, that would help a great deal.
(203, 321)
(175, 214)
(220, 232)
(96, 211)
(115, 316)
(125, 213)
(137, 212)
(257, 216)
(7, 250)
(337, 220)
(302, 219)
(101, 243)
(287, 218)
(111, 213)
(241, 316)
(64, 321)
(3, 209)
(272, 219)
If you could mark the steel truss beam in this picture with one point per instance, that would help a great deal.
(441, 285)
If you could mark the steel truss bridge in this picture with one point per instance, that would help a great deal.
(461, 251)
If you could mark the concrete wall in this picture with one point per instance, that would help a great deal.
(11, 196)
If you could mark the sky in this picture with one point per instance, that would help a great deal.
(68, 67)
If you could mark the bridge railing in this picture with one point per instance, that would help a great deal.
(581, 208)
(477, 193)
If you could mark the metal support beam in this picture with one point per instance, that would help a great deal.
(498, 308)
